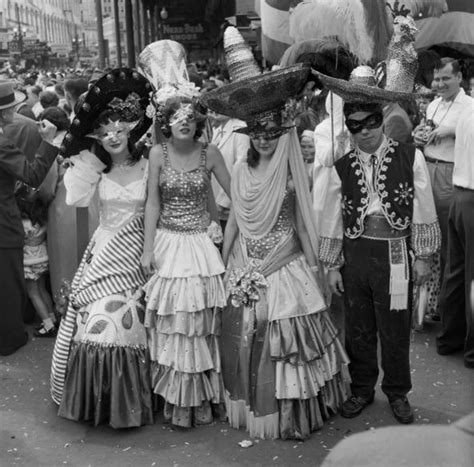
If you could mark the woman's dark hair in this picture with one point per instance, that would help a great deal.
(105, 118)
(253, 156)
(76, 87)
(171, 106)
(56, 116)
(351, 108)
(48, 99)
(32, 206)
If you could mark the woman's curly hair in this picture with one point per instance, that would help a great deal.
(170, 107)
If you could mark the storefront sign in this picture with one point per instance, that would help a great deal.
(185, 33)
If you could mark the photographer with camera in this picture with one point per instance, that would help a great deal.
(436, 137)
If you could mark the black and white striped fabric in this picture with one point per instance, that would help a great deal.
(116, 268)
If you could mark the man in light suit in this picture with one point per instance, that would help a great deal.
(234, 147)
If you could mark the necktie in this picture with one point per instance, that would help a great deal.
(373, 160)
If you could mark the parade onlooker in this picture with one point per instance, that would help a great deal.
(25, 108)
(73, 89)
(233, 147)
(437, 137)
(397, 123)
(457, 311)
(24, 132)
(13, 167)
(34, 212)
(48, 99)
(33, 94)
(308, 151)
(377, 208)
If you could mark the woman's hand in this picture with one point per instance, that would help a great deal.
(335, 282)
(47, 130)
(148, 262)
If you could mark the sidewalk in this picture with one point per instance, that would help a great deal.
(31, 434)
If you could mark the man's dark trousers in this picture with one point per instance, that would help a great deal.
(366, 278)
(455, 301)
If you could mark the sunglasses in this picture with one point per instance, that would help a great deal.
(369, 123)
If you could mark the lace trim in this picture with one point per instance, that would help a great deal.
(425, 239)
(330, 252)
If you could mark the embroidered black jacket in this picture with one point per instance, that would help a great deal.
(393, 184)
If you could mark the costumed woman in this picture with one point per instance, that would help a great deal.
(100, 368)
(185, 294)
(284, 367)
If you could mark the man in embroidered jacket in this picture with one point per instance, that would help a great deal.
(378, 208)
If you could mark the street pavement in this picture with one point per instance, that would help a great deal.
(31, 434)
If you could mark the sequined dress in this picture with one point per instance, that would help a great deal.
(285, 370)
(184, 299)
(107, 378)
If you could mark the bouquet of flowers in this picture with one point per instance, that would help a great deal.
(245, 284)
(214, 231)
(62, 298)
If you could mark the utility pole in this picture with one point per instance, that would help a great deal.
(117, 33)
(100, 33)
(130, 38)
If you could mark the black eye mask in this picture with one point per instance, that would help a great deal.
(372, 121)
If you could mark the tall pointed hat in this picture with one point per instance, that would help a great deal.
(251, 93)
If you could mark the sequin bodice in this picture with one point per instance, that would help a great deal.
(284, 225)
(184, 197)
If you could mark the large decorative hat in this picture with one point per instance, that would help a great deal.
(251, 92)
(164, 64)
(394, 78)
(122, 89)
(362, 87)
(8, 96)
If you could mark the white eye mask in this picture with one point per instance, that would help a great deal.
(184, 113)
(112, 130)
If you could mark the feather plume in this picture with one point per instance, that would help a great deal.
(345, 20)
(328, 56)
(422, 8)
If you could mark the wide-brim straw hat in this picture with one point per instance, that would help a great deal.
(362, 88)
(250, 97)
(8, 96)
(119, 82)
(251, 92)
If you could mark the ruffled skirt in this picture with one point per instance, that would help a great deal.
(184, 300)
(108, 372)
(286, 371)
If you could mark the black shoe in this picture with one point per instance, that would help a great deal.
(355, 405)
(401, 410)
(444, 350)
(42, 332)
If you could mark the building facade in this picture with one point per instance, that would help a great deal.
(28, 27)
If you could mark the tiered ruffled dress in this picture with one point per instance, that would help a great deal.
(285, 370)
(108, 369)
(184, 300)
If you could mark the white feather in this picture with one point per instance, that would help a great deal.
(317, 19)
